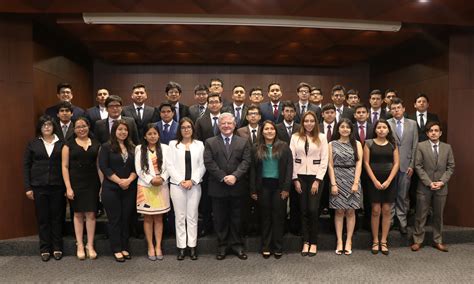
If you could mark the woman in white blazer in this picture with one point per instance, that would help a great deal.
(153, 198)
(310, 161)
(186, 169)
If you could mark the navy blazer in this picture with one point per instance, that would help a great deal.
(165, 138)
(93, 115)
(243, 114)
(150, 115)
(267, 112)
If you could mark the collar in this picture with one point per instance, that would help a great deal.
(277, 103)
(55, 139)
(423, 113)
(372, 110)
(326, 124)
(364, 124)
(67, 124)
(401, 119)
(288, 124)
(142, 106)
(303, 104)
(170, 123)
(111, 119)
(236, 106)
(204, 105)
(432, 144)
(224, 137)
(212, 116)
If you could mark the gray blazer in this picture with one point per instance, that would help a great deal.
(194, 112)
(429, 170)
(408, 142)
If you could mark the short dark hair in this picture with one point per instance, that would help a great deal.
(396, 101)
(201, 87)
(255, 89)
(42, 120)
(316, 89)
(173, 85)
(216, 80)
(213, 95)
(376, 92)
(391, 91)
(301, 85)
(66, 105)
(431, 124)
(273, 83)
(327, 107)
(360, 105)
(353, 92)
(166, 105)
(236, 86)
(138, 85)
(113, 98)
(421, 95)
(289, 104)
(338, 88)
(61, 86)
(254, 107)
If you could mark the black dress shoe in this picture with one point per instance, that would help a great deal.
(181, 254)
(45, 256)
(220, 256)
(266, 254)
(403, 230)
(278, 255)
(193, 253)
(58, 255)
(241, 255)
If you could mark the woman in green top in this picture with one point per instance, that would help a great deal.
(270, 179)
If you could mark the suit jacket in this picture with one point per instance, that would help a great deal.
(204, 129)
(39, 169)
(313, 163)
(165, 138)
(285, 169)
(244, 132)
(282, 132)
(243, 113)
(407, 144)
(421, 131)
(219, 164)
(183, 111)
(112, 163)
(382, 114)
(429, 170)
(321, 130)
(194, 112)
(69, 132)
(267, 112)
(53, 112)
(102, 131)
(348, 113)
(176, 161)
(310, 107)
(369, 132)
(150, 115)
(93, 115)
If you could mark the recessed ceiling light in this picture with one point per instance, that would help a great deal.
(424, 1)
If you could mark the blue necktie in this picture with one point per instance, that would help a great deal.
(399, 129)
(227, 145)
(214, 126)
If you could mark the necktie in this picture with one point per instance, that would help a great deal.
(275, 111)
(64, 130)
(167, 126)
(111, 124)
(339, 112)
(227, 145)
(254, 136)
(237, 115)
(201, 110)
(290, 131)
(176, 114)
(139, 114)
(329, 133)
(435, 149)
(375, 117)
(214, 126)
(399, 129)
(361, 134)
(422, 121)
(303, 109)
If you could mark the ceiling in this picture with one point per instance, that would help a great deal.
(198, 44)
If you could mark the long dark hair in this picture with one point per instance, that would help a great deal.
(114, 144)
(262, 148)
(352, 138)
(389, 137)
(315, 133)
(144, 150)
(179, 135)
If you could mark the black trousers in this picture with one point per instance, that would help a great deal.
(273, 213)
(295, 211)
(50, 205)
(119, 205)
(228, 221)
(309, 209)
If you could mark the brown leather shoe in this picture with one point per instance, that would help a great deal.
(415, 247)
(441, 247)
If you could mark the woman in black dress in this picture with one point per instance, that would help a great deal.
(44, 184)
(79, 165)
(381, 162)
(119, 188)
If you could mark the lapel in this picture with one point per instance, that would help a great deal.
(393, 124)
(222, 145)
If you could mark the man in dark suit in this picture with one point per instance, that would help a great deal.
(99, 111)
(200, 96)
(316, 97)
(64, 94)
(251, 131)
(376, 111)
(141, 113)
(390, 94)
(227, 158)
(435, 164)
(338, 97)
(173, 93)
(216, 86)
(237, 107)
(66, 128)
(114, 108)
(256, 96)
(353, 98)
(303, 105)
(422, 116)
(272, 110)
(167, 127)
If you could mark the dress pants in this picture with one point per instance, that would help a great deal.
(273, 213)
(295, 211)
(425, 199)
(402, 203)
(309, 205)
(50, 205)
(227, 221)
(119, 205)
(186, 203)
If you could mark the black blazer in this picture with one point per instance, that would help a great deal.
(69, 133)
(421, 131)
(243, 114)
(102, 132)
(220, 164)
(93, 115)
(382, 114)
(204, 128)
(285, 169)
(311, 107)
(112, 163)
(39, 169)
(53, 112)
(348, 113)
(368, 133)
(150, 115)
(282, 132)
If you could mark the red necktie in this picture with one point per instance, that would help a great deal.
(275, 111)
(329, 133)
(362, 134)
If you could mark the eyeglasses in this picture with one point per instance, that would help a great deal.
(114, 106)
(214, 102)
(303, 91)
(253, 113)
(47, 125)
(81, 127)
(186, 128)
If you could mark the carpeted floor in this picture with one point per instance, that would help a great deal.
(427, 265)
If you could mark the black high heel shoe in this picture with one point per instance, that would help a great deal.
(181, 254)
(193, 253)
(266, 254)
(119, 258)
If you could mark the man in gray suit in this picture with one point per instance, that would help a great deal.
(406, 136)
(227, 159)
(200, 96)
(434, 165)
